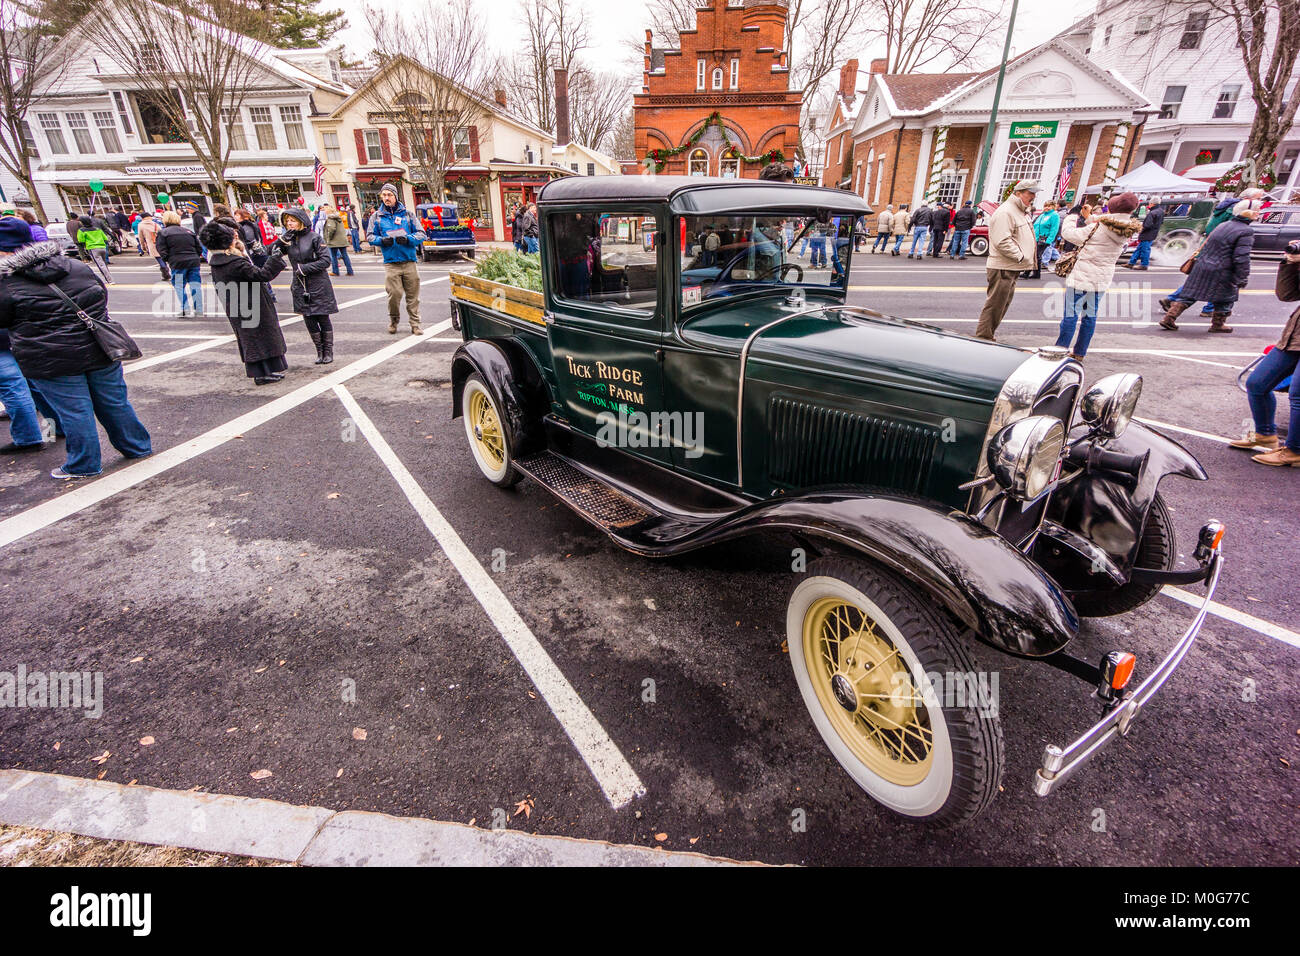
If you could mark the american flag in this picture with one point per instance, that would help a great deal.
(1061, 182)
(318, 175)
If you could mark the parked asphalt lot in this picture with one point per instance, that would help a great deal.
(233, 587)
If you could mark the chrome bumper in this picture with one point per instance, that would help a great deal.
(1059, 763)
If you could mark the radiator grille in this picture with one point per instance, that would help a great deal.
(811, 445)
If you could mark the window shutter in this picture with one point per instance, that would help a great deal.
(384, 147)
(448, 147)
(403, 146)
(360, 137)
(473, 144)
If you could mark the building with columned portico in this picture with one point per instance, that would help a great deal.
(904, 138)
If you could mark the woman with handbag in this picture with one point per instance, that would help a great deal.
(244, 289)
(1089, 269)
(313, 293)
(56, 311)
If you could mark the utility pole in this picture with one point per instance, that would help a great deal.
(993, 114)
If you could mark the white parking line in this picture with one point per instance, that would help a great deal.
(1186, 431)
(85, 494)
(226, 339)
(1259, 625)
(603, 758)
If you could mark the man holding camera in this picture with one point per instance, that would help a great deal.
(396, 232)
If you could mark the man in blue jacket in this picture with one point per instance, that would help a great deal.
(396, 232)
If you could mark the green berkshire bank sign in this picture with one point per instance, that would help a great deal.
(1034, 130)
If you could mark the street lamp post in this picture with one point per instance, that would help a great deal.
(993, 114)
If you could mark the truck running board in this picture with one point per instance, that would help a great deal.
(589, 496)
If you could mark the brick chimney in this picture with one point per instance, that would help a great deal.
(561, 108)
(880, 65)
(849, 80)
(500, 96)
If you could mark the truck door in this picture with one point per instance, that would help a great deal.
(605, 320)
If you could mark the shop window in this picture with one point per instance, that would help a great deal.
(1173, 100)
(699, 163)
(604, 259)
(333, 152)
(471, 199)
(1025, 162)
(1193, 30)
(341, 197)
(53, 132)
(291, 117)
(262, 126)
(80, 201)
(107, 127)
(729, 167)
(1227, 102)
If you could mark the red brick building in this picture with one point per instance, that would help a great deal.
(722, 104)
(905, 138)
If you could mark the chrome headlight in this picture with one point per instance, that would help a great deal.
(1108, 405)
(1023, 456)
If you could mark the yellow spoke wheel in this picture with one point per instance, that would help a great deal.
(862, 642)
(488, 434)
(865, 687)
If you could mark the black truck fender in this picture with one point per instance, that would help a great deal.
(1110, 511)
(516, 386)
(980, 577)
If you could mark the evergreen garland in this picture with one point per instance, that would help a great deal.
(661, 156)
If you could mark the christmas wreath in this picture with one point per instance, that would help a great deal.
(661, 156)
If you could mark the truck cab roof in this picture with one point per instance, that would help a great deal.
(701, 195)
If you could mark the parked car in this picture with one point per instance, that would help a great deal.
(1180, 233)
(979, 234)
(58, 232)
(446, 232)
(1276, 226)
(945, 489)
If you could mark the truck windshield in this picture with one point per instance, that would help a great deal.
(727, 255)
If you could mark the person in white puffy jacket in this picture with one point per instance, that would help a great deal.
(1099, 242)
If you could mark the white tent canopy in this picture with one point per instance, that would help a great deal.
(1153, 178)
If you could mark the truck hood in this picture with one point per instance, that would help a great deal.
(853, 347)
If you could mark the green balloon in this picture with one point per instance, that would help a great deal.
(96, 186)
(312, 208)
(164, 198)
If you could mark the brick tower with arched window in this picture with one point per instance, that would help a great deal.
(721, 104)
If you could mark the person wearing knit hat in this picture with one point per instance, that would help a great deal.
(397, 234)
(1221, 270)
(14, 234)
(244, 289)
(1097, 244)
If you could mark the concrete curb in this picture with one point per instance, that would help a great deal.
(312, 836)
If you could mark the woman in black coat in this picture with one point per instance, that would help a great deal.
(313, 293)
(1221, 270)
(244, 291)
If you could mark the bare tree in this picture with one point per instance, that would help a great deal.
(432, 82)
(1266, 35)
(950, 34)
(28, 61)
(668, 18)
(555, 32)
(192, 64)
(623, 141)
(597, 104)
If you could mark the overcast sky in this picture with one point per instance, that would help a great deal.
(616, 22)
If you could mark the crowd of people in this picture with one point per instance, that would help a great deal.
(52, 366)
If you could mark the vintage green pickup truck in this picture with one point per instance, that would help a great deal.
(684, 380)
